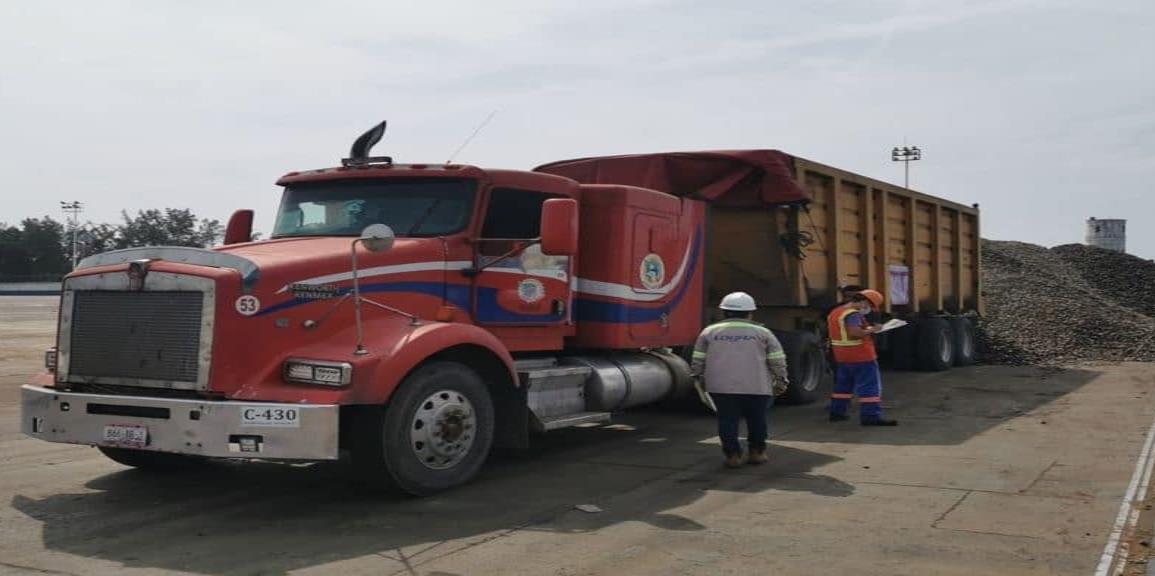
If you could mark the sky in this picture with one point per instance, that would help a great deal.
(1043, 112)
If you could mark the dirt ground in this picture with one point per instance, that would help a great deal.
(993, 470)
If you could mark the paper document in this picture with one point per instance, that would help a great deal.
(891, 325)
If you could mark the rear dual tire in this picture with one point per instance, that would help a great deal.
(933, 344)
(963, 328)
(805, 364)
(936, 345)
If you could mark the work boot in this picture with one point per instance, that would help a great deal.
(880, 422)
(838, 417)
(734, 461)
(756, 457)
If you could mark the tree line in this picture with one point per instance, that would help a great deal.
(40, 249)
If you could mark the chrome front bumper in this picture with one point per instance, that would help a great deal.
(197, 427)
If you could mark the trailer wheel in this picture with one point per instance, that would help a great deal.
(964, 340)
(806, 365)
(150, 460)
(901, 347)
(434, 434)
(935, 345)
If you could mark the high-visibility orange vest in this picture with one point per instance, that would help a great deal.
(848, 350)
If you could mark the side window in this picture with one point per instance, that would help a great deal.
(514, 214)
(513, 219)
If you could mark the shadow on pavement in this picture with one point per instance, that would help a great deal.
(269, 518)
(944, 408)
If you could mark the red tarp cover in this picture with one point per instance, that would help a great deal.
(732, 178)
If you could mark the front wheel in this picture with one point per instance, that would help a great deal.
(434, 434)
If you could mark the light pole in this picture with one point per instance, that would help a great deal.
(906, 155)
(73, 209)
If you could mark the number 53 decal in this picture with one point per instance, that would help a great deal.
(247, 305)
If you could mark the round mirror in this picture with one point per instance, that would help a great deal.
(377, 237)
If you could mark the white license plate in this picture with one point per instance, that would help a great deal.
(126, 435)
(271, 417)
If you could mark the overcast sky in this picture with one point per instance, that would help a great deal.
(1041, 111)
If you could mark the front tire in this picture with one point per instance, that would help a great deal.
(435, 433)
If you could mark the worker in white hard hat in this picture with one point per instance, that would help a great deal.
(743, 367)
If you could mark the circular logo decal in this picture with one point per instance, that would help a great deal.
(652, 272)
(247, 305)
(530, 290)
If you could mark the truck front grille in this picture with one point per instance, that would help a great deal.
(135, 337)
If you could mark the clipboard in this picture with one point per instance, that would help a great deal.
(891, 325)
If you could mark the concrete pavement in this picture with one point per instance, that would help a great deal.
(993, 470)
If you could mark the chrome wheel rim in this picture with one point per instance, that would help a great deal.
(443, 429)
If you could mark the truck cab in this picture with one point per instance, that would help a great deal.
(406, 316)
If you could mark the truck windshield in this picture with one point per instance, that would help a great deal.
(411, 207)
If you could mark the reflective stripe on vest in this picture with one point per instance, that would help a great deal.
(844, 339)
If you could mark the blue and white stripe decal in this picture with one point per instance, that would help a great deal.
(456, 294)
(587, 310)
(627, 292)
(488, 310)
(383, 271)
(394, 269)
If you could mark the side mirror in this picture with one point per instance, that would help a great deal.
(240, 228)
(559, 227)
(377, 238)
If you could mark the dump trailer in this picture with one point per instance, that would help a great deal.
(412, 317)
(793, 232)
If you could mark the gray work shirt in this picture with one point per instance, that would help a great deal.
(739, 357)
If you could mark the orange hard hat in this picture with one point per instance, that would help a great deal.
(874, 296)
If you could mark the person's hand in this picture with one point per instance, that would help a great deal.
(781, 386)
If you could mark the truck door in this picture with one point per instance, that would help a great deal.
(522, 287)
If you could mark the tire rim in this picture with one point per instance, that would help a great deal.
(443, 429)
(945, 352)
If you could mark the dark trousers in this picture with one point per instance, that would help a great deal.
(861, 379)
(732, 408)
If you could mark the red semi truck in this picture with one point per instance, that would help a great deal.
(410, 317)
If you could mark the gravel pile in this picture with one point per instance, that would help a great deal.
(1064, 305)
(1126, 279)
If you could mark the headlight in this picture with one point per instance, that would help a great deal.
(50, 359)
(318, 372)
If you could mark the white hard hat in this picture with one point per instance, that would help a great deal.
(738, 302)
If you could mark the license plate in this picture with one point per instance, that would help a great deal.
(271, 417)
(126, 435)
